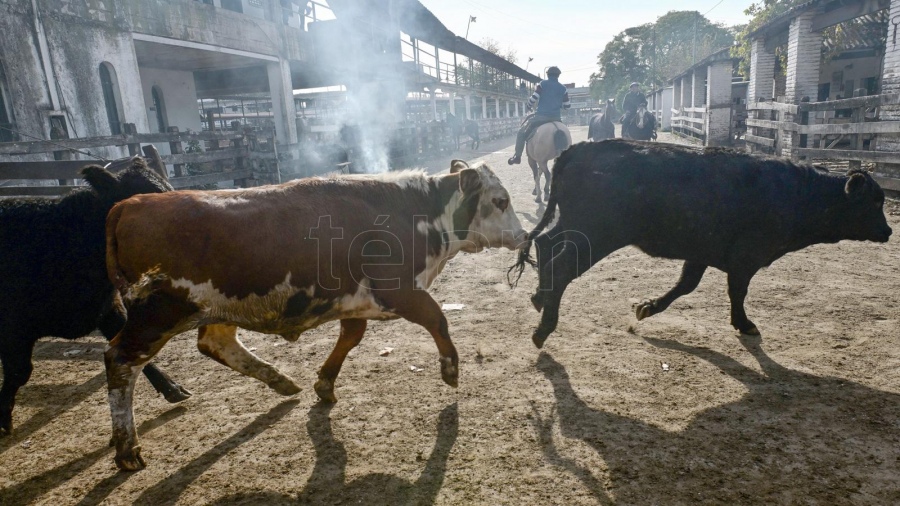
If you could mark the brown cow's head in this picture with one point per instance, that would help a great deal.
(485, 217)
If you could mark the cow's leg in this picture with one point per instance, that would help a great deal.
(738, 282)
(220, 343)
(418, 307)
(15, 356)
(548, 245)
(536, 174)
(691, 274)
(574, 259)
(151, 323)
(352, 331)
(110, 325)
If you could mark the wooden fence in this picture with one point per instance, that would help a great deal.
(242, 157)
(843, 130)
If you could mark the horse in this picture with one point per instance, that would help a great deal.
(459, 127)
(601, 124)
(548, 141)
(642, 126)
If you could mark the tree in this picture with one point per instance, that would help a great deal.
(479, 75)
(761, 12)
(655, 52)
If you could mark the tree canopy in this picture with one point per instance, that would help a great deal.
(652, 53)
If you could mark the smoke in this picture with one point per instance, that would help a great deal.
(362, 47)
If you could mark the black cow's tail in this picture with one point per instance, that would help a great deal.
(549, 213)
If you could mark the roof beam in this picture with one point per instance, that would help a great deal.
(847, 12)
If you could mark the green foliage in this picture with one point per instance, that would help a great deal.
(655, 52)
(761, 13)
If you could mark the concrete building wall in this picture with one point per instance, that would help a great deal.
(30, 100)
(179, 96)
(849, 72)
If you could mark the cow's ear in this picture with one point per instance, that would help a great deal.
(856, 185)
(458, 165)
(469, 181)
(100, 179)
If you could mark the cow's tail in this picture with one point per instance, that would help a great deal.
(561, 140)
(555, 188)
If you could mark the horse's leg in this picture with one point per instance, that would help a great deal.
(536, 172)
(545, 168)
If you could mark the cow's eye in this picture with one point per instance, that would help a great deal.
(501, 204)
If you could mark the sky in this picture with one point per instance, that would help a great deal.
(567, 33)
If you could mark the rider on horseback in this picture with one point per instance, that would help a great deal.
(551, 97)
(633, 100)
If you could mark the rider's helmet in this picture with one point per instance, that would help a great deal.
(635, 85)
(553, 71)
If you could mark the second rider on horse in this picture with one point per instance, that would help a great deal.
(551, 97)
(633, 100)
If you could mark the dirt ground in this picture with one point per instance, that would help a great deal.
(807, 414)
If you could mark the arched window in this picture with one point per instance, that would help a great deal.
(159, 105)
(110, 88)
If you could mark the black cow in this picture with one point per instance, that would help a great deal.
(53, 279)
(710, 207)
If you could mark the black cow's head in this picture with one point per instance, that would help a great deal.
(131, 181)
(863, 215)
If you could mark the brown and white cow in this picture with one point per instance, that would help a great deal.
(284, 259)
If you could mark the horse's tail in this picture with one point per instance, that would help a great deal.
(549, 213)
(561, 140)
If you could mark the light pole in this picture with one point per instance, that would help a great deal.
(528, 63)
(471, 20)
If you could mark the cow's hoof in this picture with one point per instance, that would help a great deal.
(5, 424)
(130, 460)
(537, 302)
(750, 331)
(285, 386)
(325, 390)
(538, 199)
(539, 337)
(449, 372)
(645, 310)
(534, 192)
(177, 394)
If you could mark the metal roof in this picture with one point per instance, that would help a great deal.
(417, 21)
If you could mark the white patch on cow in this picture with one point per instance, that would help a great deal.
(361, 304)
(222, 198)
(414, 179)
(252, 309)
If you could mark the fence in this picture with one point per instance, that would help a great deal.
(241, 157)
(845, 130)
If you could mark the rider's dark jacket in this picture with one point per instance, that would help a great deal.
(632, 101)
(551, 97)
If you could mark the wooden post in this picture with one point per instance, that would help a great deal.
(131, 129)
(239, 163)
(858, 117)
(176, 149)
(154, 161)
(59, 131)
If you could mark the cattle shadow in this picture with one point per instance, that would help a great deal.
(31, 489)
(792, 438)
(57, 399)
(327, 483)
(168, 490)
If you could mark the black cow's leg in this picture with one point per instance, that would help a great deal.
(111, 323)
(16, 360)
(737, 291)
(574, 259)
(691, 274)
(352, 331)
(547, 245)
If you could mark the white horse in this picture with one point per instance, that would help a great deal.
(548, 141)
